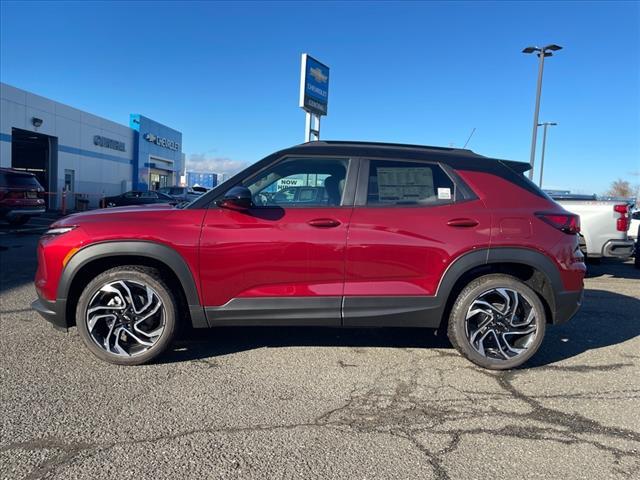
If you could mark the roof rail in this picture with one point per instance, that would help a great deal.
(389, 145)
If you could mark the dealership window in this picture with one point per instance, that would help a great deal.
(408, 183)
(300, 182)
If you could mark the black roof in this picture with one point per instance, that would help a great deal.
(457, 157)
(388, 145)
(384, 148)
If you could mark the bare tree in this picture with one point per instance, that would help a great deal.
(621, 188)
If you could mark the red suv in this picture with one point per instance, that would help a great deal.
(405, 236)
(20, 196)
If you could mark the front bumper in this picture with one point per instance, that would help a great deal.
(618, 248)
(24, 212)
(567, 304)
(51, 312)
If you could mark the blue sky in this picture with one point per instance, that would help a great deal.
(227, 74)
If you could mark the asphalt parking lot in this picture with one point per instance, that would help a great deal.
(312, 403)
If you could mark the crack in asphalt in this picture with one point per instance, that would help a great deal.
(587, 368)
(397, 410)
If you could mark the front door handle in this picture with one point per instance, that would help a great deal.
(323, 222)
(462, 222)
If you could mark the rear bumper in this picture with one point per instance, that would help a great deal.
(567, 304)
(618, 248)
(50, 311)
(24, 212)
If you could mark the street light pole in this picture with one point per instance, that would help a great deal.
(534, 136)
(544, 144)
(542, 53)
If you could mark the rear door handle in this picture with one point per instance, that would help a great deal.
(462, 222)
(323, 222)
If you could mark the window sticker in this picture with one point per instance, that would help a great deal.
(404, 185)
(444, 194)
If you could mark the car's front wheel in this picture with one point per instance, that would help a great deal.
(127, 315)
(497, 322)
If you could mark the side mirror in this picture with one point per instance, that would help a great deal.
(238, 198)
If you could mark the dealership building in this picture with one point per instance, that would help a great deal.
(86, 155)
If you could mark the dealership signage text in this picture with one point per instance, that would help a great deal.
(162, 142)
(108, 143)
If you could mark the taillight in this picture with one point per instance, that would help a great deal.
(622, 223)
(565, 222)
(15, 194)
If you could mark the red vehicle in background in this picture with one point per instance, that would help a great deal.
(402, 236)
(21, 196)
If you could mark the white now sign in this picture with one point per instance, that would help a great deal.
(289, 182)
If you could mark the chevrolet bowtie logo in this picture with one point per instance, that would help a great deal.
(150, 137)
(318, 75)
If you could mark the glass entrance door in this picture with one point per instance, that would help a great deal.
(159, 179)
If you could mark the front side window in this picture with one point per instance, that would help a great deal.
(408, 183)
(300, 182)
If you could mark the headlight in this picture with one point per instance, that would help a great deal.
(59, 230)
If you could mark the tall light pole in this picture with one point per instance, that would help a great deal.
(544, 143)
(543, 52)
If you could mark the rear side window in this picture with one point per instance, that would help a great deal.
(408, 183)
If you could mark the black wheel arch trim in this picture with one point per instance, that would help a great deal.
(135, 248)
(496, 255)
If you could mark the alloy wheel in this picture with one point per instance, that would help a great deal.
(125, 318)
(501, 324)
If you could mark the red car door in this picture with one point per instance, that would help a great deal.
(410, 219)
(281, 262)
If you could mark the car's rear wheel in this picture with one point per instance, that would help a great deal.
(497, 322)
(127, 315)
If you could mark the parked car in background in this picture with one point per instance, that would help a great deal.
(438, 237)
(136, 197)
(21, 196)
(603, 225)
(297, 195)
(181, 194)
(634, 226)
(634, 233)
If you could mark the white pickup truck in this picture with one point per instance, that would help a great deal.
(603, 225)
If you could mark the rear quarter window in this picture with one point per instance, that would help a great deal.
(514, 175)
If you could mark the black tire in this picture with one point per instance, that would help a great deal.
(636, 260)
(458, 330)
(18, 221)
(167, 313)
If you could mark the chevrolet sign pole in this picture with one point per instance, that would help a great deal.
(314, 94)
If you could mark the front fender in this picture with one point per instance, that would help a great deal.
(134, 248)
